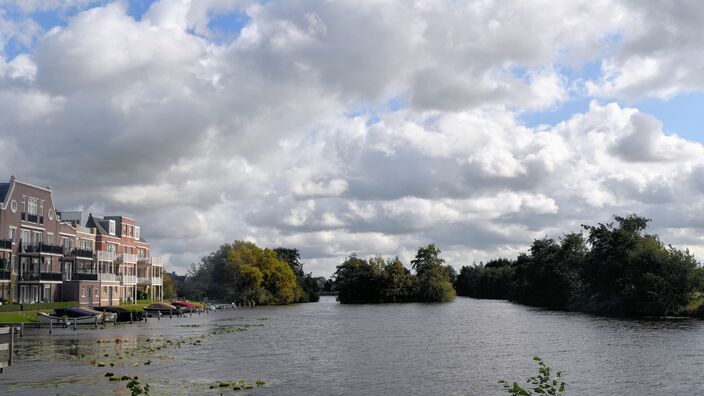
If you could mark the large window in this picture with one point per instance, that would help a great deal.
(136, 232)
(112, 247)
(12, 234)
(112, 227)
(32, 206)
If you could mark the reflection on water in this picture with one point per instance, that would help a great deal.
(463, 347)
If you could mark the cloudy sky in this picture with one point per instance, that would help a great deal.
(370, 126)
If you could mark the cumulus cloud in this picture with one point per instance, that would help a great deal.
(283, 134)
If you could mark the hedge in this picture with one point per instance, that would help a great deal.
(10, 307)
(38, 306)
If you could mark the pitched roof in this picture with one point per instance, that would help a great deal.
(4, 188)
(96, 222)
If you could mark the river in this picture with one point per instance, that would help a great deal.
(326, 348)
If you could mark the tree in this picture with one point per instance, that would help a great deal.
(426, 258)
(169, 288)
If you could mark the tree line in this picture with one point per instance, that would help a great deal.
(617, 268)
(243, 272)
(379, 280)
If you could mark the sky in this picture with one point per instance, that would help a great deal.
(370, 126)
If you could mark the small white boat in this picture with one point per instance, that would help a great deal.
(67, 316)
(65, 320)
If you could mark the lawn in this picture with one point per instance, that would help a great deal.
(19, 317)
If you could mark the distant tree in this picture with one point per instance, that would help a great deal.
(169, 288)
(426, 258)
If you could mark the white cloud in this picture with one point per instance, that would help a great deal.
(260, 136)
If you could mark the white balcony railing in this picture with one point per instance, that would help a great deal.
(109, 277)
(129, 258)
(106, 256)
(129, 280)
(156, 280)
(157, 261)
(144, 280)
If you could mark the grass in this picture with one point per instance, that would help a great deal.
(19, 317)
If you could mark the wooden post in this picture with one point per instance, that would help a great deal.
(12, 347)
(51, 325)
(75, 323)
(21, 330)
(171, 314)
(96, 321)
(130, 317)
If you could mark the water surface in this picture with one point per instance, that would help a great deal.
(326, 348)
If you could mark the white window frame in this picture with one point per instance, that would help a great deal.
(49, 238)
(137, 232)
(32, 206)
(12, 234)
(111, 227)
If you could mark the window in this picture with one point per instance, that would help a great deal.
(49, 238)
(26, 238)
(83, 292)
(41, 208)
(51, 214)
(36, 238)
(112, 247)
(86, 244)
(13, 206)
(136, 232)
(32, 205)
(12, 234)
(112, 227)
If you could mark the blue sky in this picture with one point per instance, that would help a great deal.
(365, 126)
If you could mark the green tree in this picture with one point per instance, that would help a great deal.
(426, 258)
(169, 288)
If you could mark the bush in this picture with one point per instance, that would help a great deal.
(10, 307)
(542, 384)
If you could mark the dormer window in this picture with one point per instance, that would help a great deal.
(136, 232)
(111, 228)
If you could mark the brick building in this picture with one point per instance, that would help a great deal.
(47, 255)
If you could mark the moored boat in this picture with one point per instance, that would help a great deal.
(161, 308)
(122, 315)
(185, 306)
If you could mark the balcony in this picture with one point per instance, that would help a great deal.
(84, 253)
(106, 256)
(5, 244)
(108, 277)
(41, 276)
(43, 248)
(84, 276)
(129, 258)
(129, 280)
(5, 274)
(157, 261)
(144, 280)
(157, 280)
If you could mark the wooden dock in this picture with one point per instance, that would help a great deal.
(7, 345)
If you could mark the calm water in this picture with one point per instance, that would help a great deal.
(326, 348)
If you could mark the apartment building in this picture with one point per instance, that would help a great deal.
(47, 255)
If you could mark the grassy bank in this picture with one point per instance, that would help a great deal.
(19, 317)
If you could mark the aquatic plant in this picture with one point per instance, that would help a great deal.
(542, 384)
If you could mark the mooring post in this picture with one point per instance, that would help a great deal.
(51, 325)
(130, 317)
(21, 330)
(12, 346)
(75, 323)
